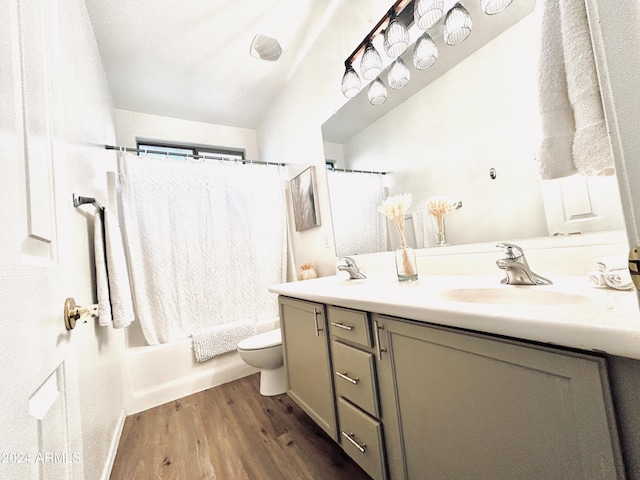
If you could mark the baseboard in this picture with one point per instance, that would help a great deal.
(113, 448)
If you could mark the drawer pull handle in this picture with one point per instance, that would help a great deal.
(343, 326)
(376, 329)
(345, 376)
(349, 436)
(315, 318)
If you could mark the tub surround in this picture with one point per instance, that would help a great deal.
(162, 373)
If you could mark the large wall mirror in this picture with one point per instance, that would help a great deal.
(466, 128)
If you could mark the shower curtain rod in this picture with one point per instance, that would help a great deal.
(190, 155)
(348, 170)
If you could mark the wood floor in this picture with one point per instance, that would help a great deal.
(226, 433)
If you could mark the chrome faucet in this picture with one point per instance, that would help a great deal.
(351, 268)
(516, 267)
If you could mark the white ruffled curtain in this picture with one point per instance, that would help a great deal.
(358, 227)
(205, 239)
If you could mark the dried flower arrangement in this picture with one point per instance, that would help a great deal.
(394, 208)
(438, 207)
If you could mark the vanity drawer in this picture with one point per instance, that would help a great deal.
(350, 324)
(361, 438)
(354, 376)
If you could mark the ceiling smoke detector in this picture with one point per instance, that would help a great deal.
(265, 48)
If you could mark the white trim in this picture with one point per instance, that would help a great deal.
(113, 448)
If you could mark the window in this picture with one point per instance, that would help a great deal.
(179, 151)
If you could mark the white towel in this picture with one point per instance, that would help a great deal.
(115, 305)
(596, 278)
(618, 279)
(610, 263)
(213, 341)
(554, 154)
(102, 281)
(574, 133)
(591, 149)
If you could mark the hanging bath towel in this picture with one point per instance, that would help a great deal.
(574, 132)
(115, 306)
(591, 150)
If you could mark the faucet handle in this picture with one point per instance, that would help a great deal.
(510, 250)
(350, 262)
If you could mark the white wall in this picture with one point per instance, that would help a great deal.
(133, 125)
(481, 114)
(291, 131)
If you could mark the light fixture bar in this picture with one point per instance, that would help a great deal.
(397, 7)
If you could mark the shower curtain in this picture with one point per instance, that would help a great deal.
(205, 239)
(357, 225)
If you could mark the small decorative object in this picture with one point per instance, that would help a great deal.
(307, 271)
(304, 196)
(438, 207)
(394, 208)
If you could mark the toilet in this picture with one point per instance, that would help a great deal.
(264, 351)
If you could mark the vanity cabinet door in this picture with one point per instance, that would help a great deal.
(463, 406)
(306, 358)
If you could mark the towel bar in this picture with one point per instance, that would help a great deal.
(80, 200)
(73, 313)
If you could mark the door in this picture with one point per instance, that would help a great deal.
(618, 68)
(474, 407)
(40, 432)
(306, 357)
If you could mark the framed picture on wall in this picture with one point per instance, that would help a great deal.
(304, 197)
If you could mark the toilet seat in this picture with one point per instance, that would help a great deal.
(272, 338)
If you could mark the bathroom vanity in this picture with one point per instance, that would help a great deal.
(445, 378)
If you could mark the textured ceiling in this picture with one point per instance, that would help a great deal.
(190, 59)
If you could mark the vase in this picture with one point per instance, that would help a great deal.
(406, 265)
(442, 242)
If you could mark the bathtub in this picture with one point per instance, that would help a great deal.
(162, 373)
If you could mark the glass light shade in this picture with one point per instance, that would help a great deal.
(398, 74)
(377, 92)
(370, 63)
(426, 13)
(396, 38)
(425, 52)
(351, 84)
(491, 7)
(457, 25)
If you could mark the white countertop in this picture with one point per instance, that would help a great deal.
(570, 312)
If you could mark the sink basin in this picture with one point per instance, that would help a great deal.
(512, 295)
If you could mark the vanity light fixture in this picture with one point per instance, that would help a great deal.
(398, 74)
(427, 13)
(457, 25)
(425, 52)
(396, 36)
(491, 7)
(351, 84)
(418, 14)
(377, 92)
(371, 62)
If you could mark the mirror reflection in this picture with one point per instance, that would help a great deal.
(466, 129)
